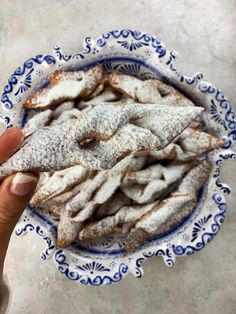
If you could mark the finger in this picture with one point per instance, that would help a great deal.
(15, 193)
(10, 141)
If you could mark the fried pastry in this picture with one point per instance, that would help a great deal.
(149, 91)
(107, 96)
(66, 115)
(59, 182)
(57, 147)
(43, 178)
(105, 183)
(199, 142)
(107, 226)
(56, 204)
(38, 121)
(99, 89)
(146, 185)
(112, 205)
(83, 205)
(191, 144)
(179, 204)
(66, 86)
(67, 105)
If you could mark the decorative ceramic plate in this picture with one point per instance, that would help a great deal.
(142, 55)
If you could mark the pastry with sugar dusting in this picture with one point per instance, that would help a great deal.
(66, 115)
(190, 144)
(149, 91)
(38, 121)
(59, 182)
(107, 226)
(107, 96)
(112, 205)
(84, 192)
(56, 204)
(65, 86)
(199, 142)
(99, 89)
(67, 105)
(148, 184)
(46, 198)
(176, 207)
(43, 178)
(117, 132)
(68, 227)
(83, 205)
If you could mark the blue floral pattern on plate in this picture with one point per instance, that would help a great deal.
(142, 55)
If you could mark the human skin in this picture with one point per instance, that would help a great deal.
(15, 191)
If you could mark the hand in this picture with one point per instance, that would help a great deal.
(15, 191)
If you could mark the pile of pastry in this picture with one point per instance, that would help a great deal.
(116, 155)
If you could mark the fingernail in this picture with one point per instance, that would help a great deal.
(22, 184)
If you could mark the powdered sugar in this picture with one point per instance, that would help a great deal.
(66, 86)
(57, 147)
(59, 182)
(107, 225)
(199, 142)
(83, 205)
(37, 122)
(142, 91)
(67, 105)
(107, 96)
(66, 115)
(185, 195)
(172, 209)
(153, 220)
(190, 144)
(149, 91)
(112, 205)
(148, 184)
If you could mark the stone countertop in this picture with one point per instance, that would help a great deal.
(203, 31)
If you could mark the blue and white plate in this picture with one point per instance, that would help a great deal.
(142, 55)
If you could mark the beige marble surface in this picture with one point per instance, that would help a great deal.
(203, 32)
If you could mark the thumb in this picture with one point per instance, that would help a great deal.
(15, 193)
